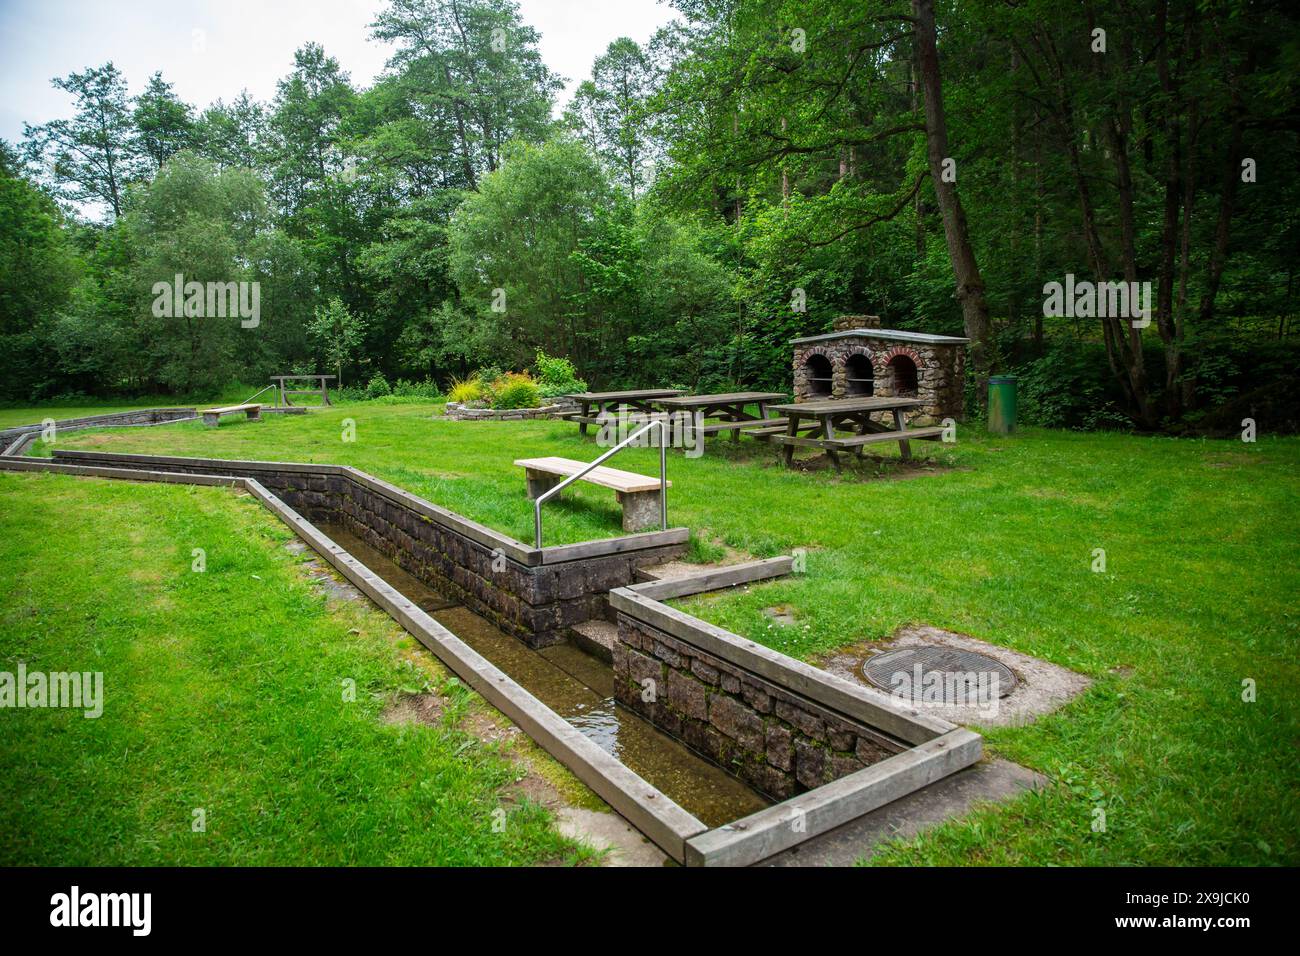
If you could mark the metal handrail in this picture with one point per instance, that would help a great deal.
(267, 389)
(663, 477)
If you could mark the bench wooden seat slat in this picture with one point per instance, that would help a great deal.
(928, 434)
(857, 441)
(212, 416)
(624, 481)
(749, 426)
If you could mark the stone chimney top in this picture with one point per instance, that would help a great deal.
(847, 322)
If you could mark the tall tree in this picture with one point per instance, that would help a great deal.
(475, 63)
(233, 135)
(609, 112)
(306, 127)
(93, 155)
(164, 125)
(965, 270)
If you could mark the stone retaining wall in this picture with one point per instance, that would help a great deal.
(460, 412)
(774, 739)
(497, 577)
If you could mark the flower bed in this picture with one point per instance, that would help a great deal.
(459, 411)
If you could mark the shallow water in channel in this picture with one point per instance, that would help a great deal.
(580, 688)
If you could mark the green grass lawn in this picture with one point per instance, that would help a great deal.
(997, 541)
(224, 692)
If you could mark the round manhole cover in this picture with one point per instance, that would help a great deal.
(940, 675)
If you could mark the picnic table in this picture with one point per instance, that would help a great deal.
(731, 408)
(639, 399)
(820, 419)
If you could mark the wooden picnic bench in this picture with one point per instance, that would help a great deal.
(638, 494)
(818, 420)
(604, 403)
(212, 416)
(731, 408)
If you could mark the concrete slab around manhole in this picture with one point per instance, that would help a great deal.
(989, 781)
(1042, 686)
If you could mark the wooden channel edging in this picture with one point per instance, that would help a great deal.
(767, 832)
(644, 806)
(714, 578)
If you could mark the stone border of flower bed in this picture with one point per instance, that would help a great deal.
(460, 412)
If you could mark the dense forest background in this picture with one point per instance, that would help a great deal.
(756, 169)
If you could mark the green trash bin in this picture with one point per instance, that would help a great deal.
(1002, 404)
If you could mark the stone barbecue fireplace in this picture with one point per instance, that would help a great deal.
(859, 358)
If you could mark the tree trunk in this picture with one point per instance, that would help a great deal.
(965, 270)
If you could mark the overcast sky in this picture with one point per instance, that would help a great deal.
(210, 50)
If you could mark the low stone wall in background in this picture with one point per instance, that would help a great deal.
(10, 443)
(777, 741)
(460, 412)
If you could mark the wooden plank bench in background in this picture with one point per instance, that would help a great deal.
(638, 494)
(212, 416)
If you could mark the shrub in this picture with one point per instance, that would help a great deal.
(378, 386)
(516, 390)
(348, 393)
(425, 389)
(557, 376)
(465, 390)
(1068, 386)
(488, 376)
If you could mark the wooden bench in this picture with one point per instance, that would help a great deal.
(753, 427)
(857, 441)
(212, 416)
(638, 494)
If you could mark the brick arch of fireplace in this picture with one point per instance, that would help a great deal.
(820, 372)
(859, 373)
(898, 372)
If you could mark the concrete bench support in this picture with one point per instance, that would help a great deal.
(212, 416)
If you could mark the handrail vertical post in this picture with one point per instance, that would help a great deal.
(663, 474)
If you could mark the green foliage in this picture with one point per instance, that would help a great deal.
(513, 390)
(465, 390)
(426, 389)
(1067, 387)
(556, 376)
(337, 332)
(164, 124)
(709, 195)
(39, 272)
(513, 246)
(93, 156)
(378, 386)
(608, 113)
